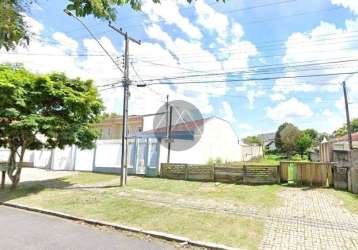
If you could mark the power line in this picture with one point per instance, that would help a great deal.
(256, 79)
(254, 70)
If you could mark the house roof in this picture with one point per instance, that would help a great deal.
(118, 119)
(185, 130)
(267, 136)
(185, 126)
(345, 138)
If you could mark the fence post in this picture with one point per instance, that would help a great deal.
(278, 169)
(244, 175)
(310, 166)
(186, 172)
(213, 171)
(3, 173)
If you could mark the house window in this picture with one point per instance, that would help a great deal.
(106, 133)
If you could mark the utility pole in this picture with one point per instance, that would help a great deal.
(170, 132)
(349, 129)
(126, 83)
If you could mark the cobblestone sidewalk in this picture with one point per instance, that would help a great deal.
(310, 219)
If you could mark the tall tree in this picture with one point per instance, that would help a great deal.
(278, 141)
(289, 137)
(44, 111)
(304, 142)
(13, 29)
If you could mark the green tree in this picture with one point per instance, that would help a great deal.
(342, 131)
(252, 140)
(312, 133)
(13, 29)
(278, 141)
(286, 138)
(304, 142)
(44, 111)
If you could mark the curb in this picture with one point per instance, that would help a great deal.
(154, 234)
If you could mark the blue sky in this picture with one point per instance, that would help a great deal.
(237, 40)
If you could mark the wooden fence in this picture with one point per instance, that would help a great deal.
(296, 173)
(306, 173)
(250, 174)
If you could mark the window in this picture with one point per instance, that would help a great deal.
(106, 133)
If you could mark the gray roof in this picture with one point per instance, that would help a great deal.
(267, 136)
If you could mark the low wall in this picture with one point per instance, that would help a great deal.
(245, 174)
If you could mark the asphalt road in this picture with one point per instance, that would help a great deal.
(21, 229)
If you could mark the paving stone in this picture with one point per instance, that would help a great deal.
(310, 219)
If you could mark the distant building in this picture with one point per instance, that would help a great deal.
(344, 159)
(111, 127)
(268, 140)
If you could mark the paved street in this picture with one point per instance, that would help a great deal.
(26, 230)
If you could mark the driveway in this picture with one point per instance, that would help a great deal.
(310, 219)
(27, 230)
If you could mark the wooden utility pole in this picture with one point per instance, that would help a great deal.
(349, 129)
(126, 83)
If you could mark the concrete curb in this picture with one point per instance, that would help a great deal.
(154, 234)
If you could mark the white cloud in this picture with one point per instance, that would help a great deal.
(277, 97)
(228, 114)
(325, 43)
(318, 99)
(212, 20)
(351, 4)
(252, 91)
(169, 12)
(33, 25)
(66, 42)
(289, 110)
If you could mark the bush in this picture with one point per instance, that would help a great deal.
(298, 157)
(212, 161)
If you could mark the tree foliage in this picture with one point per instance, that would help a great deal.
(44, 111)
(289, 136)
(342, 131)
(304, 142)
(252, 140)
(13, 29)
(278, 141)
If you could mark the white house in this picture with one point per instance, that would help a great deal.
(215, 138)
(218, 140)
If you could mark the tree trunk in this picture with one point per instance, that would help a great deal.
(14, 170)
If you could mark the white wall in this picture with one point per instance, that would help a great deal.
(84, 160)
(108, 154)
(218, 140)
(250, 152)
(63, 159)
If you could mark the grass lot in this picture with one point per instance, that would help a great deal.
(266, 160)
(350, 201)
(77, 195)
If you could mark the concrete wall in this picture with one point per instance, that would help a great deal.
(250, 152)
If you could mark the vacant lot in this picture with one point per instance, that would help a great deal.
(201, 211)
(243, 216)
